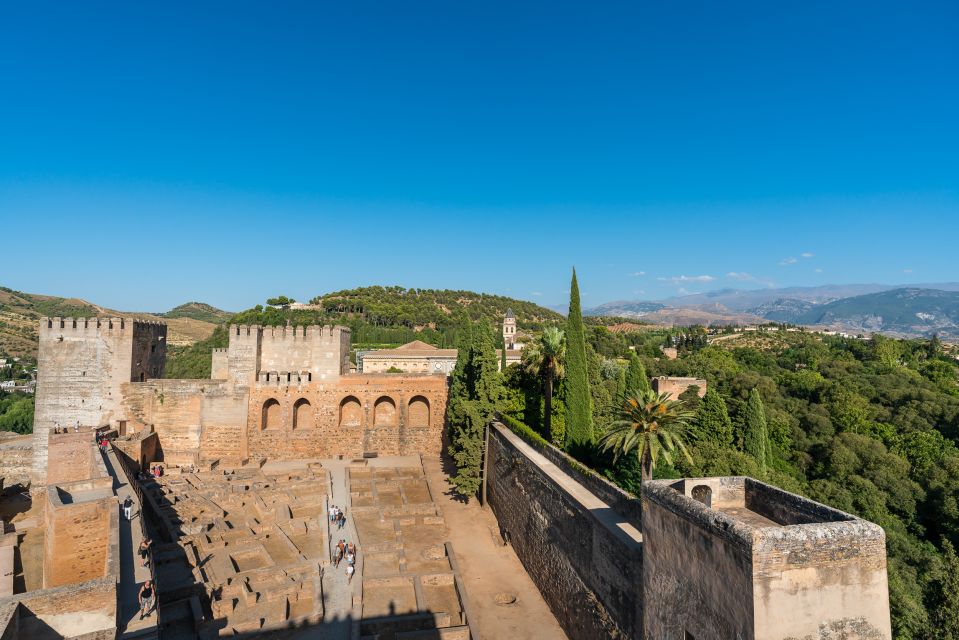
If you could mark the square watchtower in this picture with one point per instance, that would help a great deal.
(736, 558)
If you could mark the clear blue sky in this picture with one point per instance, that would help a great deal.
(153, 153)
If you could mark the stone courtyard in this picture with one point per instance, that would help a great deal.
(249, 550)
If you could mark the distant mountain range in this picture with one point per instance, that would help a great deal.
(907, 311)
(20, 313)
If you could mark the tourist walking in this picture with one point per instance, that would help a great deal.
(146, 597)
(349, 574)
(338, 553)
(145, 551)
(128, 508)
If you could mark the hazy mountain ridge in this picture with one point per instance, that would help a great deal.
(20, 313)
(906, 311)
(903, 312)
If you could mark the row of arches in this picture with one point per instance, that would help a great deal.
(350, 413)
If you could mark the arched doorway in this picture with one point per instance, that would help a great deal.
(271, 418)
(351, 412)
(702, 493)
(384, 412)
(302, 414)
(418, 413)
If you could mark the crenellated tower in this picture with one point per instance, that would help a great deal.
(81, 365)
(307, 353)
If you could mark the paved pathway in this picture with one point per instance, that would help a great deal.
(132, 571)
(488, 568)
(339, 595)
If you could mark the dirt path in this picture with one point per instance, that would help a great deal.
(489, 569)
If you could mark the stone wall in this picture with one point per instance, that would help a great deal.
(587, 569)
(386, 414)
(192, 418)
(71, 457)
(16, 460)
(675, 386)
(697, 578)
(77, 536)
(323, 352)
(734, 569)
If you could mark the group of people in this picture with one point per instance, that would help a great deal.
(337, 517)
(345, 551)
(58, 429)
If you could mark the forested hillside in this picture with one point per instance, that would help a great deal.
(868, 426)
(378, 317)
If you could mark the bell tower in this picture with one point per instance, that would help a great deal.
(509, 329)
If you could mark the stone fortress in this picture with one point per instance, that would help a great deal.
(254, 456)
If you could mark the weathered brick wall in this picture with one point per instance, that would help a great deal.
(84, 611)
(322, 430)
(188, 415)
(698, 574)
(16, 461)
(71, 457)
(676, 386)
(138, 449)
(77, 539)
(589, 578)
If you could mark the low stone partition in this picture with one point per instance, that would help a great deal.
(585, 556)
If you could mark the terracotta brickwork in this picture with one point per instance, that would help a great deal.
(71, 457)
(387, 414)
(676, 386)
(77, 541)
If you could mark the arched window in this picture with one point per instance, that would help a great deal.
(351, 412)
(384, 412)
(704, 494)
(271, 418)
(418, 414)
(302, 414)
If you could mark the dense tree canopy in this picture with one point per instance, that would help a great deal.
(867, 426)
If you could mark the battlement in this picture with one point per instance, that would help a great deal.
(284, 378)
(58, 324)
(221, 350)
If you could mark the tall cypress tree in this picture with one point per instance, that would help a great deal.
(620, 388)
(712, 420)
(579, 410)
(502, 364)
(636, 379)
(475, 390)
(755, 437)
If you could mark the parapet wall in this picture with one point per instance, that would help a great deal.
(585, 558)
(733, 569)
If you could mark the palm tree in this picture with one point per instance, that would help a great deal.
(654, 425)
(544, 358)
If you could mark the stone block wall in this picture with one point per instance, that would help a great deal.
(590, 578)
(192, 418)
(675, 386)
(77, 544)
(735, 569)
(387, 414)
(698, 575)
(16, 461)
(71, 457)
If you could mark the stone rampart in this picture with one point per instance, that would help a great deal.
(585, 558)
(16, 460)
